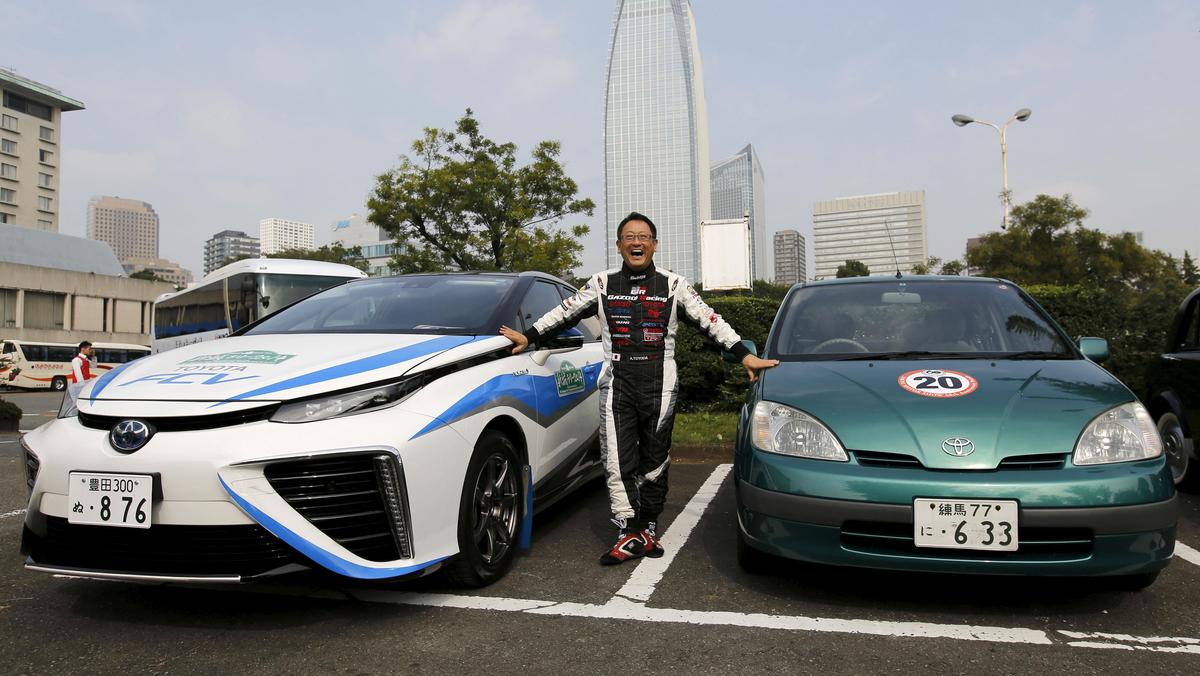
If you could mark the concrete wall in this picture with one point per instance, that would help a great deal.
(96, 307)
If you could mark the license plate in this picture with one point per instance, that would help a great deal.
(111, 499)
(965, 524)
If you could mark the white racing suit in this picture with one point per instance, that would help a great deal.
(639, 313)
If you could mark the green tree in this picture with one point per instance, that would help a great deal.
(852, 268)
(461, 202)
(147, 275)
(926, 267)
(330, 253)
(953, 268)
(1191, 276)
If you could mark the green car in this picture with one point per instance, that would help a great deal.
(947, 424)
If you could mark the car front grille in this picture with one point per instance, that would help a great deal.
(183, 423)
(358, 500)
(1033, 461)
(1035, 544)
(163, 549)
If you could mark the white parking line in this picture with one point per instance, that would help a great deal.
(6, 515)
(1186, 553)
(649, 572)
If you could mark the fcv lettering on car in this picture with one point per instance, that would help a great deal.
(190, 378)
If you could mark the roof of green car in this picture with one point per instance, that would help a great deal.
(892, 279)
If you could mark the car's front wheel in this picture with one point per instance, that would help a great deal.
(489, 513)
(1178, 449)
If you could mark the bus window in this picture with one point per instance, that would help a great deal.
(9, 348)
(279, 291)
(193, 312)
(243, 299)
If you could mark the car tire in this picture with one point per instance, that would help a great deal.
(1179, 451)
(1135, 583)
(751, 560)
(489, 513)
(58, 383)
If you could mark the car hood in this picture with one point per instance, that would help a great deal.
(232, 373)
(1019, 407)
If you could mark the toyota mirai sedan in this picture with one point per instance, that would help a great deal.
(947, 424)
(377, 429)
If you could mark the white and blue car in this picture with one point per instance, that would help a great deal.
(377, 429)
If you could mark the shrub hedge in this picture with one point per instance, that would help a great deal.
(1133, 322)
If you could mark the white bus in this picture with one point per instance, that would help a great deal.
(39, 365)
(233, 296)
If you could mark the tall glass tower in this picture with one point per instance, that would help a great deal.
(738, 189)
(656, 130)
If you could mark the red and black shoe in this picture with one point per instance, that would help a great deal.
(650, 544)
(630, 545)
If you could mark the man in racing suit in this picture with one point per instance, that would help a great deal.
(639, 307)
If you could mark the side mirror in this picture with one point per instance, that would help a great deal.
(1095, 349)
(571, 339)
(732, 358)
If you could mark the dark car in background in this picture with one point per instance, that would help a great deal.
(1173, 393)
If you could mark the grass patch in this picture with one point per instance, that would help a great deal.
(705, 428)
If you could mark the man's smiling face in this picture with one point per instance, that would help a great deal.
(636, 244)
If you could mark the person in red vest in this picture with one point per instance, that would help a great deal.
(83, 363)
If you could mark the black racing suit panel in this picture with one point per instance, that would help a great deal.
(639, 313)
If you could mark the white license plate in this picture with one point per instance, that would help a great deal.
(965, 524)
(111, 499)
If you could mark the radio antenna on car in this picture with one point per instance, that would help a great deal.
(895, 259)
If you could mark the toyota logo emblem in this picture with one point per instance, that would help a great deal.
(958, 446)
(128, 436)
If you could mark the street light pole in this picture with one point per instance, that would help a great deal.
(1019, 116)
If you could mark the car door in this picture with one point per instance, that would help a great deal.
(565, 387)
(1181, 366)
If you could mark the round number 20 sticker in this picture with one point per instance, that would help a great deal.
(938, 383)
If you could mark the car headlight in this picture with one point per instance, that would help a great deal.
(783, 429)
(1120, 434)
(348, 403)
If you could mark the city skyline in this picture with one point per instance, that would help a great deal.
(210, 133)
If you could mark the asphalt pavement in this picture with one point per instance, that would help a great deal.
(693, 611)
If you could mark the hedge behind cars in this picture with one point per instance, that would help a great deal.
(1133, 323)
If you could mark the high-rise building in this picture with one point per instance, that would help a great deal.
(280, 234)
(791, 264)
(226, 245)
(130, 227)
(656, 129)
(376, 246)
(738, 189)
(885, 231)
(30, 151)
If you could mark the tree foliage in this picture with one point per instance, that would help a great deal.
(853, 268)
(461, 202)
(927, 267)
(147, 275)
(330, 253)
(953, 268)
(1191, 276)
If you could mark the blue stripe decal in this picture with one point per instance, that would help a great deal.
(539, 393)
(357, 366)
(106, 379)
(331, 561)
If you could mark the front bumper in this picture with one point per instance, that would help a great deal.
(1114, 519)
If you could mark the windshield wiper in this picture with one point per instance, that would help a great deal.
(1034, 354)
(908, 354)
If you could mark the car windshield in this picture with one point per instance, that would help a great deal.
(912, 319)
(445, 304)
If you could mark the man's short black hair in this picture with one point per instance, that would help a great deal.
(635, 216)
(86, 343)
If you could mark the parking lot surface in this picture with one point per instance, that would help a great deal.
(693, 611)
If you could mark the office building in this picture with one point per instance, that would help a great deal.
(376, 246)
(130, 227)
(656, 129)
(886, 231)
(65, 289)
(228, 245)
(280, 234)
(791, 264)
(30, 151)
(738, 190)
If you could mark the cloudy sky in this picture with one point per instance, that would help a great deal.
(221, 113)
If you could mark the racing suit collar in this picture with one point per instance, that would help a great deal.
(630, 273)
